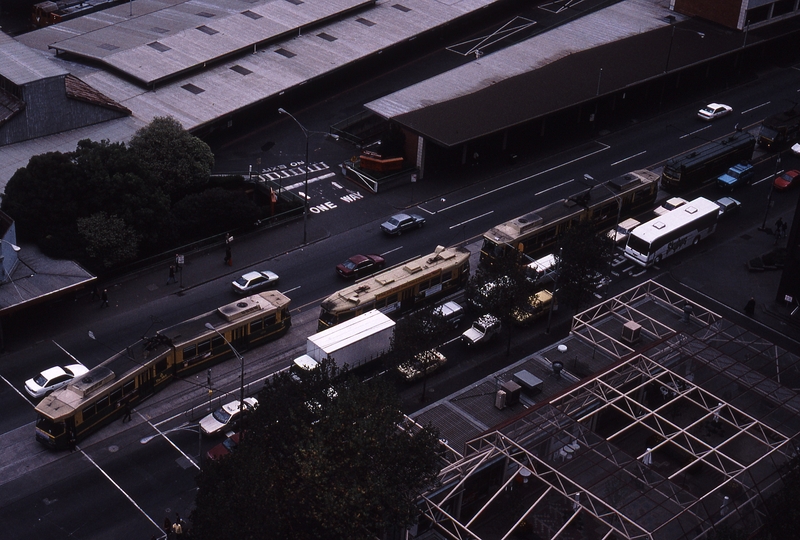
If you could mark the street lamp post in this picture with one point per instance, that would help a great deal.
(241, 360)
(306, 133)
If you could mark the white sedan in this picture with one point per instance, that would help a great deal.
(712, 111)
(255, 281)
(53, 379)
(226, 416)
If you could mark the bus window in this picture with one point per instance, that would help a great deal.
(204, 347)
(128, 387)
(102, 403)
(88, 412)
(255, 326)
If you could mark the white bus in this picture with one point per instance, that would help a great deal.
(659, 238)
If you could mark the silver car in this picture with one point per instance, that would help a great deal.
(399, 223)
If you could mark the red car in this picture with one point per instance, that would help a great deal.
(224, 448)
(786, 180)
(360, 265)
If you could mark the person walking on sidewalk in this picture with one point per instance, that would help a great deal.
(750, 307)
(227, 260)
(104, 298)
(171, 278)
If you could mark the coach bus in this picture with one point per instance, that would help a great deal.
(536, 233)
(132, 375)
(401, 288)
(685, 226)
(707, 162)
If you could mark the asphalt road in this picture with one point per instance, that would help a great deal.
(117, 487)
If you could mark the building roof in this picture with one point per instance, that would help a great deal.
(676, 432)
(165, 38)
(600, 53)
(37, 278)
(22, 65)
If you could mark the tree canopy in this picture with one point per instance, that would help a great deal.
(320, 459)
(416, 333)
(584, 262)
(176, 160)
(107, 203)
(502, 289)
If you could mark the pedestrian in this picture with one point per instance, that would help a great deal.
(126, 415)
(784, 226)
(171, 278)
(227, 260)
(750, 307)
(778, 227)
(228, 239)
(104, 298)
(95, 292)
(177, 527)
(167, 526)
(72, 441)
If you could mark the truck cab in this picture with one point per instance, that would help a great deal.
(738, 175)
(481, 331)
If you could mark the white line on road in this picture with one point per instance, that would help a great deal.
(471, 219)
(603, 149)
(25, 397)
(391, 251)
(629, 157)
(756, 107)
(290, 290)
(693, 132)
(121, 490)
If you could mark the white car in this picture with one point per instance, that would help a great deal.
(254, 281)
(226, 416)
(712, 111)
(796, 149)
(53, 379)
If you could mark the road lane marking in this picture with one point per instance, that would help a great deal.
(525, 179)
(119, 488)
(693, 132)
(629, 157)
(471, 219)
(756, 107)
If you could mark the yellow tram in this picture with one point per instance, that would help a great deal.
(401, 288)
(129, 377)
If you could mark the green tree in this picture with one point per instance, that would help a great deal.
(213, 211)
(108, 239)
(178, 161)
(583, 262)
(502, 289)
(415, 335)
(318, 465)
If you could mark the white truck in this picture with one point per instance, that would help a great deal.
(355, 342)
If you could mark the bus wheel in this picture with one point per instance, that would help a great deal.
(696, 240)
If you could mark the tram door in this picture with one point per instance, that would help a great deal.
(145, 383)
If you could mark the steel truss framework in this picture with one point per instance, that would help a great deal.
(685, 433)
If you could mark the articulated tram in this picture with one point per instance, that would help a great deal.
(401, 288)
(150, 364)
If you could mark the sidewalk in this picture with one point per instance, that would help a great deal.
(732, 284)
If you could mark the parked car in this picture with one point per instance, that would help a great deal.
(669, 205)
(482, 330)
(450, 312)
(424, 363)
(360, 265)
(786, 180)
(225, 448)
(255, 281)
(727, 206)
(619, 235)
(796, 149)
(538, 306)
(712, 111)
(399, 223)
(226, 416)
(53, 379)
(738, 175)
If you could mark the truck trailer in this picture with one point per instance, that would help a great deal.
(353, 343)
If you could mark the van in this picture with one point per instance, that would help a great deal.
(619, 235)
(450, 313)
(301, 367)
(543, 268)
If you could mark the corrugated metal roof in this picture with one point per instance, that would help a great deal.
(21, 65)
(169, 39)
